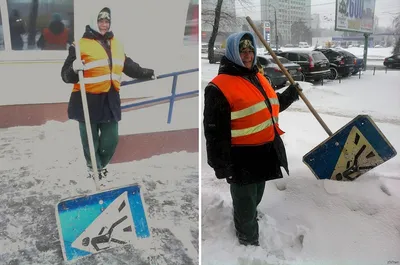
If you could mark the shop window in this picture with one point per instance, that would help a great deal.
(41, 24)
(191, 35)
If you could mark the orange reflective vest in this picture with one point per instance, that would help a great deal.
(98, 74)
(55, 42)
(251, 120)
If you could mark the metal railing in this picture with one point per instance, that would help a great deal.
(171, 98)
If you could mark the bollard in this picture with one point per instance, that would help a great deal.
(359, 74)
(340, 79)
(322, 82)
(374, 70)
(386, 70)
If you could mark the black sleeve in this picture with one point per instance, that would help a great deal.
(134, 70)
(217, 131)
(288, 96)
(67, 73)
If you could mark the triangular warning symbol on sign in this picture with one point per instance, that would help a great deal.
(357, 157)
(111, 228)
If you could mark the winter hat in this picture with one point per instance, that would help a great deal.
(245, 44)
(105, 13)
(55, 17)
(235, 42)
(95, 16)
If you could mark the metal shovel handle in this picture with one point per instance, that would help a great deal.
(87, 117)
(311, 108)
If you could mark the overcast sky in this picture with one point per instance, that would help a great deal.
(384, 9)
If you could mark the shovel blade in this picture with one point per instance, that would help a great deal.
(93, 223)
(355, 149)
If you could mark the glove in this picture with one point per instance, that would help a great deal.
(78, 65)
(223, 173)
(292, 91)
(152, 74)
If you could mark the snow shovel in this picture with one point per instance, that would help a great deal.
(102, 220)
(356, 148)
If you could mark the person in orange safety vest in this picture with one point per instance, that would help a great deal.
(242, 131)
(56, 36)
(103, 62)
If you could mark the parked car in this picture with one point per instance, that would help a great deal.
(314, 64)
(392, 61)
(341, 64)
(218, 54)
(358, 62)
(273, 73)
(273, 47)
(303, 45)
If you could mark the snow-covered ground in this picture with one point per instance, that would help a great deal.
(41, 165)
(310, 221)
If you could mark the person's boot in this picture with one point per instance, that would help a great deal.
(246, 243)
(103, 173)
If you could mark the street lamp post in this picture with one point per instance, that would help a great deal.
(276, 29)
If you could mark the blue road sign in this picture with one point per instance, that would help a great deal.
(352, 151)
(92, 223)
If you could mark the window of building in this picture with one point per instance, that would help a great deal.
(41, 24)
(1, 34)
(191, 35)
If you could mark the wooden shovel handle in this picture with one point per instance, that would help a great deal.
(313, 111)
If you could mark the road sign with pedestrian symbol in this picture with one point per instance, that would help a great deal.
(93, 223)
(352, 151)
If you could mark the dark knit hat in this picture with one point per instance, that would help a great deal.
(105, 13)
(246, 43)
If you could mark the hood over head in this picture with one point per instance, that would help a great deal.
(98, 14)
(238, 41)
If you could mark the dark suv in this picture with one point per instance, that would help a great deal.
(314, 64)
(341, 63)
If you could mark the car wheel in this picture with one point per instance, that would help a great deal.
(333, 74)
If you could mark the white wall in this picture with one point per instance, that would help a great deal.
(153, 37)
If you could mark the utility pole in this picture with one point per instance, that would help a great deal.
(276, 29)
(366, 43)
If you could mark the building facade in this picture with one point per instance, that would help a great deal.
(287, 12)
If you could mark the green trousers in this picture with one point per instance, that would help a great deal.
(105, 139)
(245, 201)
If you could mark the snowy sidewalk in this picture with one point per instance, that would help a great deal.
(41, 165)
(311, 221)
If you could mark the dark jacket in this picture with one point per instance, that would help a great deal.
(17, 28)
(104, 107)
(56, 27)
(240, 164)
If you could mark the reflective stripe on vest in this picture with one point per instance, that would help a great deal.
(98, 75)
(251, 120)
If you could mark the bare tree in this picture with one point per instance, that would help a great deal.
(213, 15)
(396, 24)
